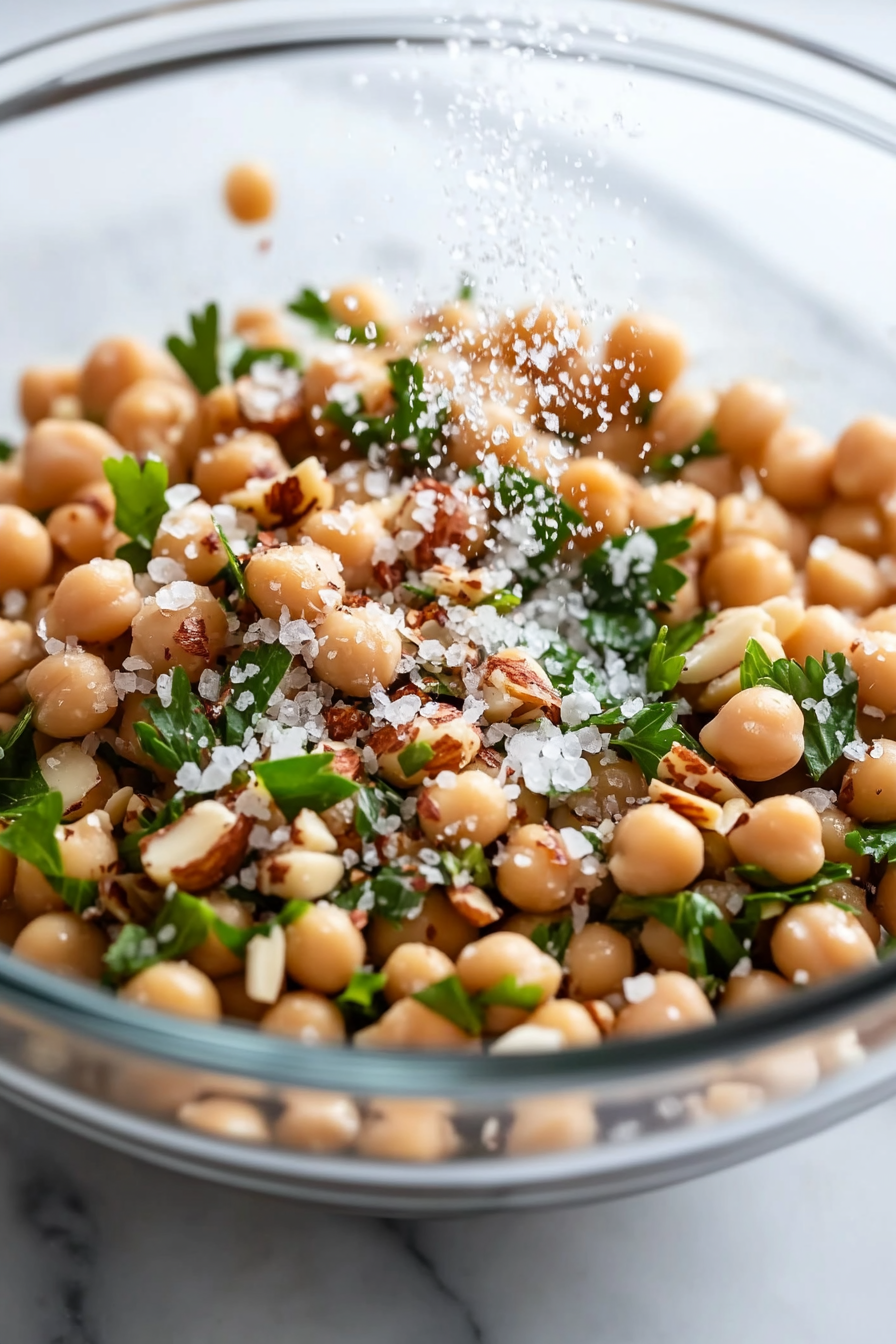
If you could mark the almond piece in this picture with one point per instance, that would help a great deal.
(517, 689)
(686, 770)
(309, 832)
(72, 772)
(299, 874)
(703, 812)
(474, 905)
(724, 643)
(266, 966)
(117, 805)
(200, 849)
(602, 1013)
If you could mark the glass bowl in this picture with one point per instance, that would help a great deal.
(738, 180)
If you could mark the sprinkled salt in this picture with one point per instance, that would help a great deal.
(179, 496)
(638, 988)
(176, 596)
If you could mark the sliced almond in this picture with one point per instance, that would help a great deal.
(266, 966)
(686, 770)
(474, 905)
(719, 691)
(139, 807)
(70, 771)
(703, 812)
(516, 689)
(200, 849)
(724, 643)
(310, 832)
(286, 499)
(602, 1013)
(299, 874)
(732, 811)
(117, 805)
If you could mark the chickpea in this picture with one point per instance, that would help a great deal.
(174, 987)
(644, 352)
(228, 466)
(12, 921)
(873, 657)
(438, 925)
(297, 578)
(410, 1025)
(847, 893)
(536, 873)
(235, 1002)
(353, 535)
(359, 649)
(483, 963)
(616, 787)
(835, 827)
(884, 907)
(317, 1122)
(868, 791)
(168, 632)
(324, 949)
(859, 527)
(114, 365)
(551, 1124)
(753, 990)
(88, 852)
(250, 192)
(602, 494)
(189, 537)
(757, 735)
(18, 649)
(73, 694)
(823, 629)
(865, 461)
(575, 1023)
(85, 528)
(670, 502)
(818, 941)
(739, 518)
(40, 388)
(26, 551)
(717, 475)
(94, 602)
(844, 578)
(681, 418)
(406, 1130)
(412, 967)
(663, 947)
(474, 808)
(746, 573)
(599, 958)
(654, 850)
(783, 835)
(226, 1118)
(63, 942)
(59, 457)
(797, 466)
(211, 956)
(309, 1018)
(749, 413)
(480, 427)
(676, 1004)
(151, 414)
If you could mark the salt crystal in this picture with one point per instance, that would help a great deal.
(821, 547)
(638, 988)
(179, 496)
(575, 843)
(210, 684)
(176, 596)
(164, 569)
(164, 688)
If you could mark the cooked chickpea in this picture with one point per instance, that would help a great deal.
(599, 958)
(654, 850)
(847, 893)
(483, 963)
(189, 537)
(818, 941)
(352, 534)
(324, 949)
(822, 630)
(179, 628)
(250, 192)
(61, 941)
(410, 1025)
(676, 1004)
(859, 527)
(211, 956)
(317, 1122)
(474, 808)
(739, 518)
(797, 466)
(748, 415)
(868, 791)
(220, 470)
(309, 1018)
(753, 990)
(746, 573)
(536, 872)
(483, 426)
(757, 735)
(85, 528)
(844, 578)
(18, 649)
(412, 967)
(59, 457)
(94, 602)
(235, 1002)
(174, 987)
(551, 1124)
(72, 693)
(602, 494)
(114, 365)
(873, 657)
(437, 925)
(151, 414)
(303, 580)
(835, 827)
(670, 502)
(359, 649)
(226, 1118)
(42, 388)
(88, 852)
(643, 351)
(575, 1023)
(617, 787)
(663, 947)
(885, 903)
(783, 835)
(405, 1130)
(865, 461)
(26, 551)
(681, 418)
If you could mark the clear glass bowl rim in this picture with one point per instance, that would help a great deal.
(84, 61)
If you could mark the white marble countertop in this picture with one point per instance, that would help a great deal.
(99, 1249)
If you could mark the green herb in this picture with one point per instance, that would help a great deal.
(254, 678)
(415, 425)
(466, 290)
(423, 595)
(391, 893)
(266, 354)
(567, 667)
(503, 601)
(32, 837)
(139, 505)
(314, 309)
(550, 519)
(626, 632)
(304, 781)
(199, 357)
(673, 464)
(414, 757)
(663, 668)
(553, 938)
(648, 735)
(470, 866)
(878, 842)
(179, 731)
(886, 948)
(826, 692)
(233, 570)
(371, 804)
(696, 919)
(129, 847)
(449, 999)
(771, 889)
(21, 780)
(508, 993)
(237, 940)
(632, 572)
(362, 1000)
(6, 450)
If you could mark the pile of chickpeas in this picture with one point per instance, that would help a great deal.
(792, 544)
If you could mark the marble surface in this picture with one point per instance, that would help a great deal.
(100, 1249)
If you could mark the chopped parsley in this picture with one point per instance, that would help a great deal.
(466, 290)
(254, 678)
(362, 1000)
(503, 600)
(179, 731)
(553, 938)
(392, 893)
(32, 837)
(372, 804)
(283, 357)
(550, 521)
(878, 842)
(632, 572)
(649, 734)
(666, 659)
(233, 570)
(415, 425)
(450, 1000)
(470, 866)
(696, 919)
(672, 464)
(295, 782)
(139, 505)
(314, 309)
(6, 450)
(414, 757)
(21, 781)
(199, 357)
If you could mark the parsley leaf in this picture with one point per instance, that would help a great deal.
(553, 938)
(371, 804)
(629, 573)
(551, 521)
(508, 993)
(6, 450)
(179, 731)
(503, 600)
(878, 842)
(649, 734)
(237, 940)
(254, 678)
(265, 354)
(672, 464)
(415, 425)
(567, 666)
(362, 1000)
(391, 893)
(449, 999)
(696, 919)
(199, 357)
(771, 889)
(466, 290)
(314, 309)
(304, 781)
(32, 836)
(414, 757)
(139, 504)
(233, 570)
(663, 668)
(20, 778)
(826, 692)
(469, 866)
